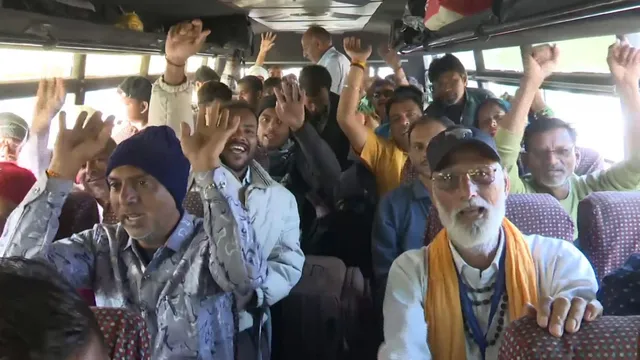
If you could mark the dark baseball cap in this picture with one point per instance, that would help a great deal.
(136, 87)
(454, 138)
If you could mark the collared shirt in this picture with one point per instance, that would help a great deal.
(399, 225)
(184, 293)
(464, 113)
(338, 65)
(561, 270)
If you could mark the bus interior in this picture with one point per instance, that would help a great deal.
(94, 45)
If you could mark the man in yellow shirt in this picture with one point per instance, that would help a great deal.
(385, 158)
(550, 143)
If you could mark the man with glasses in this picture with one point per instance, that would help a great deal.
(455, 298)
(451, 95)
(550, 143)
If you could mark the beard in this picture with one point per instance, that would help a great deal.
(481, 233)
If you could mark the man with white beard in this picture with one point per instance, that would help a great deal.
(480, 272)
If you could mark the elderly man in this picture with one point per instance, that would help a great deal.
(13, 133)
(318, 47)
(176, 270)
(480, 272)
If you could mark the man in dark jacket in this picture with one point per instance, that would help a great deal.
(451, 95)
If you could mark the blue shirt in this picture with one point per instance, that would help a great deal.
(399, 226)
(384, 130)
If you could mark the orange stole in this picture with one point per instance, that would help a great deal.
(443, 311)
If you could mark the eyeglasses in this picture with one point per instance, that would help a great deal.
(385, 93)
(450, 180)
(559, 152)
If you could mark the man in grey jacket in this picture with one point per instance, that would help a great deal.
(176, 270)
(272, 209)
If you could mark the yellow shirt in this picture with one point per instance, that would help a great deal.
(385, 160)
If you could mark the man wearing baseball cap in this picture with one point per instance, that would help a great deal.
(136, 96)
(13, 133)
(480, 272)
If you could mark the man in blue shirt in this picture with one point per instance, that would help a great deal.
(402, 214)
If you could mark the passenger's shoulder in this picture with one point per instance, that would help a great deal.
(547, 246)
(411, 261)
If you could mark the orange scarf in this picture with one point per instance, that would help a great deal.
(443, 311)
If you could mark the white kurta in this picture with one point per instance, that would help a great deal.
(561, 269)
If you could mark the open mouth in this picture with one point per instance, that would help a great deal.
(240, 148)
(473, 212)
(132, 218)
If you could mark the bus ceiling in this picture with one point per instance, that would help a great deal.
(515, 22)
(90, 24)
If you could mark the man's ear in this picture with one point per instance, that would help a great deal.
(260, 93)
(578, 156)
(465, 80)
(507, 182)
(144, 107)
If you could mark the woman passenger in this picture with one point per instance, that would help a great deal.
(489, 114)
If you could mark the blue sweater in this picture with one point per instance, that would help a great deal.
(399, 226)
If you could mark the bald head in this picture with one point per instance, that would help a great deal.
(315, 42)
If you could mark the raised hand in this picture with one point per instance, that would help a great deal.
(268, 40)
(204, 146)
(353, 48)
(49, 100)
(541, 62)
(624, 63)
(389, 56)
(290, 105)
(185, 40)
(74, 147)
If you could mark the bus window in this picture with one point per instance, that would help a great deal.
(467, 59)
(504, 59)
(599, 123)
(384, 71)
(102, 65)
(157, 64)
(34, 64)
(500, 89)
(585, 55)
(107, 101)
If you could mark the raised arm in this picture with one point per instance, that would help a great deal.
(267, 42)
(392, 59)
(235, 260)
(624, 64)
(539, 64)
(349, 122)
(32, 226)
(171, 96)
(35, 154)
(325, 165)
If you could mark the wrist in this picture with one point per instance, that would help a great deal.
(206, 167)
(176, 61)
(58, 169)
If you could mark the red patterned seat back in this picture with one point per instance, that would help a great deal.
(588, 162)
(125, 334)
(610, 337)
(79, 213)
(533, 214)
(609, 227)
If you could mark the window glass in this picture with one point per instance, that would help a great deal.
(103, 65)
(294, 70)
(194, 63)
(467, 59)
(34, 64)
(107, 101)
(597, 119)
(385, 71)
(585, 55)
(500, 89)
(157, 64)
(505, 59)
(372, 71)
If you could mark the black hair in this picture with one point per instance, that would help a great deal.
(267, 102)
(254, 83)
(212, 91)
(443, 65)
(205, 73)
(239, 105)
(427, 119)
(314, 78)
(42, 317)
(319, 33)
(406, 93)
(272, 82)
(545, 124)
(380, 83)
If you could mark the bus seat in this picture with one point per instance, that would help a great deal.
(589, 161)
(609, 229)
(79, 213)
(533, 214)
(606, 338)
(125, 334)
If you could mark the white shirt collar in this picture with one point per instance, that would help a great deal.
(326, 56)
(473, 275)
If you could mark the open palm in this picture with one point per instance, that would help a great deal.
(49, 100)
(185, 40)
(290, 105)
(204, 146)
